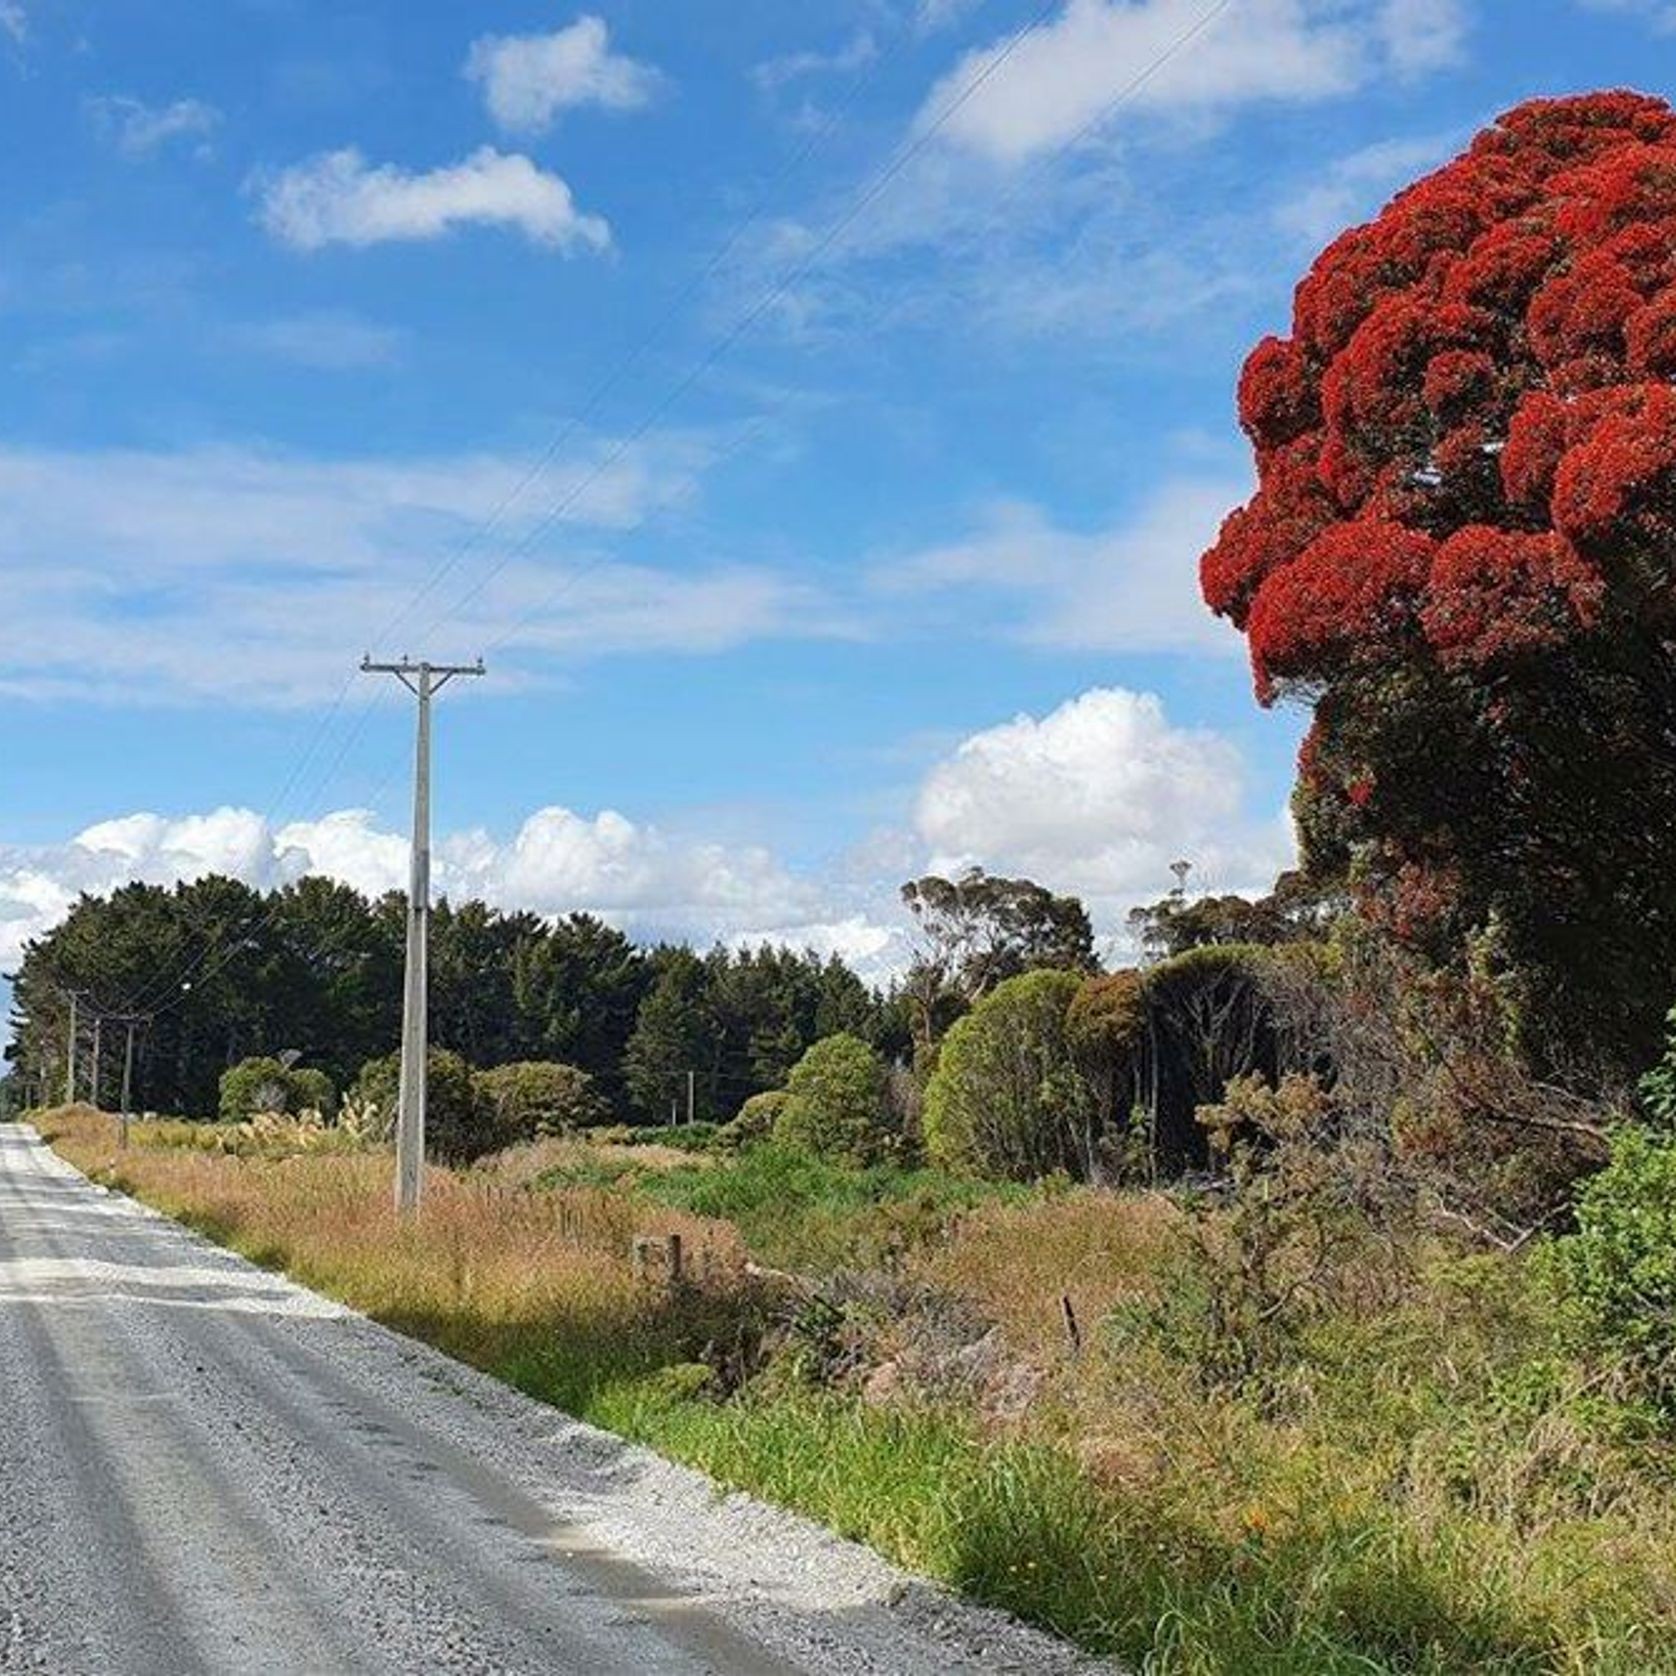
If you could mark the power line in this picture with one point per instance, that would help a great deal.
(813, 144)
(632, 358)
(881, 182)
(870, 195)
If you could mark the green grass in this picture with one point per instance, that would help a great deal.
(800, 1212)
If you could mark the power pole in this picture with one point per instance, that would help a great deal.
(424, 681)
(692, 1101)
(98, 1020)
(70, 1054)
(127, 1076)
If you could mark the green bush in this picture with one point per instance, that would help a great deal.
(1618, 1270)
(837, 1104)
(1008, 1099)
(457, 1129)
(1658, 1087)
(266, 1085)
(755, 1122)
(537, 1097)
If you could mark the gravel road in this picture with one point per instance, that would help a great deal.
(204, 1468)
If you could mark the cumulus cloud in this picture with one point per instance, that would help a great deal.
(1130, 586)
(1098, 798)
(529, 79)
(652, 883)
(138, 130)
(1063, 75)
(220, 574)
(339, 198)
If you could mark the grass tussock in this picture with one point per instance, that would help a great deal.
(1421, 1481)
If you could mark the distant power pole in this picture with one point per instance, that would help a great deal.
(424, 681)
(692, 1100)
(98, 1021)
(70, 1054)
(128, 1075)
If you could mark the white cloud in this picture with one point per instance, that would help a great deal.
(858, 52)
(1422, 35)
(650, 882)
(1130, 587)
(1066, 75)
(529, 79)
(138, 130)
(327, 340)
(14, 20)
(1354, 187)
(1098, 798)
(39, 884)
(233, 575)
(338, 198)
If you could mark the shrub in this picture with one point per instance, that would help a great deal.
(1658, 1087)
(537, 1097)
(1008, 1099)
(754, 1123)
(267, 1085)
(837, 1104)
(1618, 1270)
(456, 1129)
(1107, 1030)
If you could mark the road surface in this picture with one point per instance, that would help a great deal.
(206, 1469)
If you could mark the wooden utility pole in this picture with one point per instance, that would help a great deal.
(424, 681)
(128, 1077)
(70, 1054)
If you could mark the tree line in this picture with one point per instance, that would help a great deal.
(215, 972)
(305, 982)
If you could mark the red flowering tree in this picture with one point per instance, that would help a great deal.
(1462, 554)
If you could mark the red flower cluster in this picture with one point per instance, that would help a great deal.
(1466, 450)
(1495, 595)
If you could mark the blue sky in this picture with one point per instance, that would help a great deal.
(815, 413)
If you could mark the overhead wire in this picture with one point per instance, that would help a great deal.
(876, 187)
(812, 145)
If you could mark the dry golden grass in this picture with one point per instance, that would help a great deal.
(489, 1268)
(525, 1165)
(1016, 1261)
